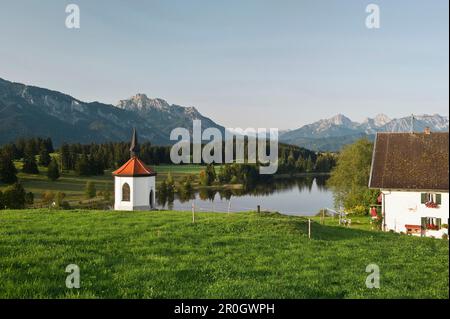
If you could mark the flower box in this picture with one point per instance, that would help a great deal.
(431, 205)
(432, 227)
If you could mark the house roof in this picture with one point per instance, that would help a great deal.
(134, 167)
(410, 161)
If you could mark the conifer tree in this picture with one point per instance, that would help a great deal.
(29, 164)
(44, 157)
(53, 170)
(8, 170)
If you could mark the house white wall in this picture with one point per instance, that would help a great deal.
(405, 208)
(140, 188)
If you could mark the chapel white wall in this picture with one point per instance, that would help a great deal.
(140, 188)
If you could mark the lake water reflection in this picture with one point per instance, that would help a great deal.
(292, 196)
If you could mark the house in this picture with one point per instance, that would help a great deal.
(134, 182)
(411, 170)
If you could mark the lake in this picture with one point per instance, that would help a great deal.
(293, 196)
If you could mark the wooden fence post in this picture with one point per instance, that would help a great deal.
(258, 209)
(309, 228)
(193, 211)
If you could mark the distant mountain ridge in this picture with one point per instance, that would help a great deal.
(29, 111)
(333, 133)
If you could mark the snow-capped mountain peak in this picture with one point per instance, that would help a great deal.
(340, 126)
(381, 119)
(331, 134)
(142, 102)
(340, 119)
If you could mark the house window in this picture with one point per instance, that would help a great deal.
(431, 223)
(431, 200)
(126, 192)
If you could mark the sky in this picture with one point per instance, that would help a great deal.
(244, 63)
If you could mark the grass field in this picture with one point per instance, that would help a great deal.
(243, 255)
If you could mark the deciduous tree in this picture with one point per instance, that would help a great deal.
(350, 178)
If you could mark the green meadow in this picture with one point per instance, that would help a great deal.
(74, 186)
(239, 255)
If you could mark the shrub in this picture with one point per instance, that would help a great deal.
(208, 175)
(234, 180)
(107, 195)
(378, 223)
(162, 188)
(65, 205)
(29, 198)
(90, 190)
(359, 210)
(14, 196)
(48, 197)
(170, 184)
(59, 198)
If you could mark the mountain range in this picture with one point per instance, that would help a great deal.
(29, 111)
(331, 134)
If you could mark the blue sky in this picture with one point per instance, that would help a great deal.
(247, 63)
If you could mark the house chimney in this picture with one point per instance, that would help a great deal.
(427, 131)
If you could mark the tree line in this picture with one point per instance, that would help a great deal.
(93, 159)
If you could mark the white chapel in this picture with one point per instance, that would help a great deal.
(134, 182)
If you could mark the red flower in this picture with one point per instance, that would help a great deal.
(431, 205)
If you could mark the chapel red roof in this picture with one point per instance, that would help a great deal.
(134, 167)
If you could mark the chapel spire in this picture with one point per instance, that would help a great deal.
(134, 147)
